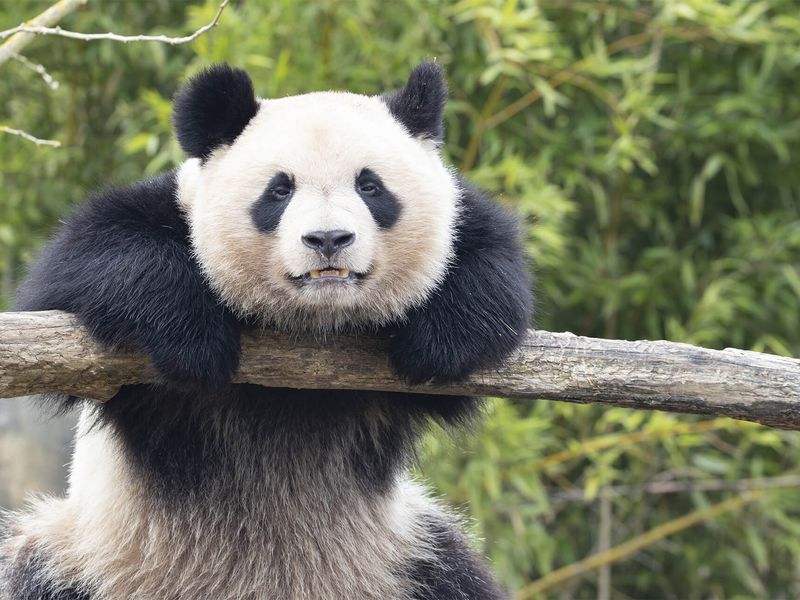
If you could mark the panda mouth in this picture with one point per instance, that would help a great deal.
(328, 274)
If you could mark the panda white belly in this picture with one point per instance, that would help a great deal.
(260, 543)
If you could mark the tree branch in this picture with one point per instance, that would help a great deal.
(36, 68)
(34, 28)
(682, 486)
(634, 545)
(20, 37)
(29, 137)
(49, 352)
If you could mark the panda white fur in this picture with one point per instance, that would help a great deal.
(315, 214)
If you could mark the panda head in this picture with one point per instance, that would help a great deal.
(322, 211)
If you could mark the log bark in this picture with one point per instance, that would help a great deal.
(50, 352)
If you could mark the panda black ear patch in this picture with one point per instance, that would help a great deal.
(419, 105)
(213, 109)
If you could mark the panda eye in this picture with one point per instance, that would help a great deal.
(281, 187)
(368, 187)
(368, 183)
(282, 192)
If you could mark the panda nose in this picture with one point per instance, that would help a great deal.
(329, 243)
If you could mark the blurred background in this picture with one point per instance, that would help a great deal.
(652, 149)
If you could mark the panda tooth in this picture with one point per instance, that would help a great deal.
(329, 273)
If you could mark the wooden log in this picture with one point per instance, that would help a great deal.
(50, 352)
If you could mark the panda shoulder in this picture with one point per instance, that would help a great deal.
(112, 222)
(483, 224)
(148, 206)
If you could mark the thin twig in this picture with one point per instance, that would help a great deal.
(21, 36)
(35, 67)
(29, 137)
(471, 153)
(581, 448)
(20, 39)
(89, 37)
(603, 545)
(637, 16)
(679, 487)
(569, 73)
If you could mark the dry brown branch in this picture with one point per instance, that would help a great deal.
(50, 352)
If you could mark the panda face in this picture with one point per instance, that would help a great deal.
(324, 213)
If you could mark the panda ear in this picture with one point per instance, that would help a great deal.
(419, 105)
(213, 109)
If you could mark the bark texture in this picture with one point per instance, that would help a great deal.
(50, 352)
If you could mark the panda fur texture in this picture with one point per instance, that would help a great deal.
(315, 214)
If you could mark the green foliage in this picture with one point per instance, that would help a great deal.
(650, 148)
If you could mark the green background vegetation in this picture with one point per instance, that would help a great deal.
(651, 148)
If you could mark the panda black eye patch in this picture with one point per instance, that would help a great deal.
(382, 204)
(266, 212)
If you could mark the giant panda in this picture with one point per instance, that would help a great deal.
(314, 214)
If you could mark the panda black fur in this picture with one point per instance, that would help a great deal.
(199, 488)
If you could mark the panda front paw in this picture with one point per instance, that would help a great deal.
(205, 361)
(418, 362)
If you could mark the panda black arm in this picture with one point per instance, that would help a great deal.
(482, 309)
(123, 264)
